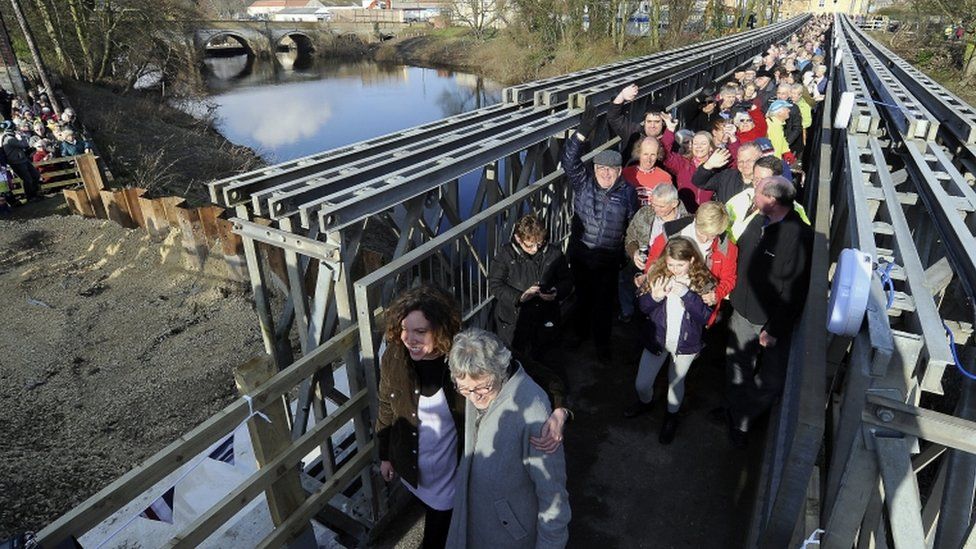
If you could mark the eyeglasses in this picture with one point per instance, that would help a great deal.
(478, 391)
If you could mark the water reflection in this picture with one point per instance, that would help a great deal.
(286, 114)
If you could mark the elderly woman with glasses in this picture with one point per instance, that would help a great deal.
(509, 494)
(420, 415)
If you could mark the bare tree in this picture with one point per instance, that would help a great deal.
(482, 16)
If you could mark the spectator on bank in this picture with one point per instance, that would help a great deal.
(509, 493)
(603, 205)
(618, 116)
(646, 225)
(646, 174)
(18, 152)
(529, 278)
(70, 146)
(771, 288)
(671, 297)
(41, 153)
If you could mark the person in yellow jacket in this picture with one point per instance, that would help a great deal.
(776, 116)
(803, 101)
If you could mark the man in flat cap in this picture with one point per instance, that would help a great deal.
(603, 204)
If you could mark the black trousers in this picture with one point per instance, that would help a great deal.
(436, 525)
(755, 375)
(30, 176)
(595, 277)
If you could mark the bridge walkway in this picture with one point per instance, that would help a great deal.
(628, 490)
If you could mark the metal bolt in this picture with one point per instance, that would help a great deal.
(886, 415)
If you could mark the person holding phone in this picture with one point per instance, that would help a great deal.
(529, 278)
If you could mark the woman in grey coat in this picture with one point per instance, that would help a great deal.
(508, 494)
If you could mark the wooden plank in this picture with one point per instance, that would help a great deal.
(232, 246)
(208, 220)
(78, 202)
(194, 242)
(93, 183)
(170, 204)
(112, 210)
(159, 214)
(132, 195)
(123, 204)
(271, 439)
(148, 208)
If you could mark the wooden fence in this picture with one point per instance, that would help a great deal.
(202, 228)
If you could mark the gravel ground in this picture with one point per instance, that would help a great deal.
(110, 350)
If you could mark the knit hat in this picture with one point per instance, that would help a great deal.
(777, 105)
(608, 157)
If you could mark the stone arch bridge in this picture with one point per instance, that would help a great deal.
(266, 37)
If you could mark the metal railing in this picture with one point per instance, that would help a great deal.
(436, 237)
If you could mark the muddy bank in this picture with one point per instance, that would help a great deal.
(150, 144)
(111, 349)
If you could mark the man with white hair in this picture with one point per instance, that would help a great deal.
(772, 276)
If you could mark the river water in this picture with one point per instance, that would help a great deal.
(287, 110)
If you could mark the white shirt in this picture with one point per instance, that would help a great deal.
(436, 453)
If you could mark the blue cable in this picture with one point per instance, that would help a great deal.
(952, 347)
(887, 283)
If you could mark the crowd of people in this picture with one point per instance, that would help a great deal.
(30, 134)
(697, 231)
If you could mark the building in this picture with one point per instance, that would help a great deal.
(789, 8)
(330, 11)
(264, 9)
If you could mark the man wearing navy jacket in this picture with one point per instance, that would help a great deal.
(603, 204)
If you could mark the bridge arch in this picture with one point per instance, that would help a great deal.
(228, 44)
(299, 41)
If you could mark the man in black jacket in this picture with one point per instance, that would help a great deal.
(529, 278)
(618, 116)
(729, 181)
(772, 280)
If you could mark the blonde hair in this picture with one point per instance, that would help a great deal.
(712, 218)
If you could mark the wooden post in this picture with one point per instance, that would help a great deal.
(92, 179)
(271, 439)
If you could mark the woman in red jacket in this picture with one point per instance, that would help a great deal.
(683, 167)
(708, 231)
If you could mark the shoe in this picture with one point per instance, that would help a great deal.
(668, 428)
(738, 438)
(625, 319)
(719, 416)
(637, 409)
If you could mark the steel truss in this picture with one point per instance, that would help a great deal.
(903, 199)
(318, 212)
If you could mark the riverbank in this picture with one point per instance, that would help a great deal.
(150, 144)
(505, 58)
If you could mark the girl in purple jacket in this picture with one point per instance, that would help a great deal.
(671, 297)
